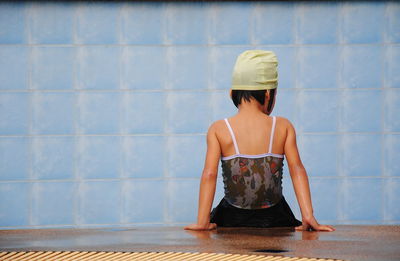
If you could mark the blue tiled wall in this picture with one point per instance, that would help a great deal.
(104, 107)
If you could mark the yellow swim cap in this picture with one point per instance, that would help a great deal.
(255, 70)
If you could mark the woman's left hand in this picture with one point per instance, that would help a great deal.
(209, 226)
(312, 224)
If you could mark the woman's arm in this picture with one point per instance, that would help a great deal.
(300, 183)
(208, 182)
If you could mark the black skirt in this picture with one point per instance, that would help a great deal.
(279, 215)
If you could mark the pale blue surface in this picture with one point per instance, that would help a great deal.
(14, 158)
(143, 67)
(52, 23)
(230, 23)
(104, 107)
(14, 204)
(144, 112)
(98, 67)
(392, 32)
(195, 28)
(188, 112)
(392, 200)
(361, 200)
(96, 23)
(98, 112)
(53, 203)
(362, 66)
(285, 104)
(100, 202)
(141, 162)
(319, 154)
(318, 66)
(49, 108)
(12, 23)
(144, 201)
(182, 193)
(14, 113)
(361, 111)
(325, 31)
(392, 66)
(363, 22)
(142, 23)
(184, 65)
(14, 67)
(361, 155)
(53, 68)
(312, 120)
(392, 110)
(222, 105)
(53, 157)
(273, 23)
(98, 157)
(391, 151)
(325, 194)
(186, 156)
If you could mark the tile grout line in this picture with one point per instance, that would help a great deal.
(121, 168)
(179, 90)
(31, 108)
(383, 136)
(179, 178)
(71, 45)
(166, 159)
(76, 196)
(299, 133)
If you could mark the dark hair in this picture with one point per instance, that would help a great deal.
(259, 95)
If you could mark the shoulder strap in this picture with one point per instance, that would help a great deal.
(232, 135)
(271, 138)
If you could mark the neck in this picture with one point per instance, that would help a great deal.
(252, 107)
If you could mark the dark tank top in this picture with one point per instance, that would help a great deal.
(252, 181)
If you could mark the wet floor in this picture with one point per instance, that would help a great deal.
(347, 242)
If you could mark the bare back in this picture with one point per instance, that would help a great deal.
(252, 135)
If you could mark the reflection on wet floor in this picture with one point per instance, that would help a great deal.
(271, 250)
(347, 242)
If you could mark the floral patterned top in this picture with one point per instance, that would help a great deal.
(252, 181)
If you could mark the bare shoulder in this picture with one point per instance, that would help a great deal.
(216, 126)
(282, 121)
(285, 125)
(214, 131)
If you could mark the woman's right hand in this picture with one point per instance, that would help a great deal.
(312, 224)
(209, 226)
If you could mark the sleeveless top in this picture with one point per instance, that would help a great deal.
(252, 181)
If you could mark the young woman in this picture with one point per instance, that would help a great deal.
(251, 146)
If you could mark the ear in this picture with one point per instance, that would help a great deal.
(267, 95)
(230, 93)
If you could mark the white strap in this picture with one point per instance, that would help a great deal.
(271, 138)
(233, 136)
